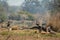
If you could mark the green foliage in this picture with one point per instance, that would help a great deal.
(32, 6)
(29, 15)
(14, 16)
(3, 17)
(3, 14)
(55, 7)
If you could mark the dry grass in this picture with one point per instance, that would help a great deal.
(55, 21)
(27, 35)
